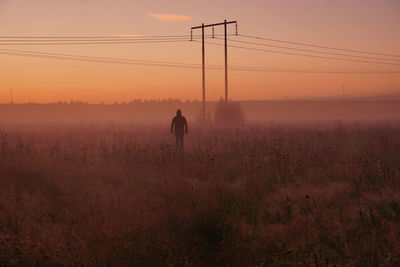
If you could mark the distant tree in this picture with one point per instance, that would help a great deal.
(228, 114)
(136, 101)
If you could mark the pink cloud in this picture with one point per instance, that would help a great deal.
(170, 17)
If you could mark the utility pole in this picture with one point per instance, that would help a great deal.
(202, 27)
(11, 97)
(226, 63)
(203, 71)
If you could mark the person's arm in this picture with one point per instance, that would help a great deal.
(172, 125)
(186, 126)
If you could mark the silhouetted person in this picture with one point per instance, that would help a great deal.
(179, 127)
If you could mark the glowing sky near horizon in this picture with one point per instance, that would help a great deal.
(356, 24)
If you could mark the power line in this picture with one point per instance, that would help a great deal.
(174, 64)
(305, 55)
(99, 58)
(320, 46)
(317, 71)
(96, 39)
(8, 42)
(312, 51)
(93, 37)
(92, 60)
(166, 37)
(107, 58)
(91, 40)
(110, 36)
(96, 43)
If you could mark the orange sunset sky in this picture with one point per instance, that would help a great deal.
(367, 25)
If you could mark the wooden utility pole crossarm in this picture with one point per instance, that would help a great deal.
(215, 24)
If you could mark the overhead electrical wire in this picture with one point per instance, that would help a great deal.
(86, 40)
(303, 55)
(319, 46)
(111, 39)
(93, 57)
(44, 55)
(72, 40)
(94, 42)
(44, 42)
(90, 40)
(100, 37)
(312, 51)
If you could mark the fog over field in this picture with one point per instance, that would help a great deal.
(156, 112)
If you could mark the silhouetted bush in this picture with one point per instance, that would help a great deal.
(229, 114)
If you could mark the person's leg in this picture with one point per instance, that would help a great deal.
(182, 141)
(177, 140)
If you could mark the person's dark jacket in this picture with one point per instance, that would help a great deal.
(179, 125)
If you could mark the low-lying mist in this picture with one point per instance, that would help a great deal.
(155, 112)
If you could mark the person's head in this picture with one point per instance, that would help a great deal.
(178, 113)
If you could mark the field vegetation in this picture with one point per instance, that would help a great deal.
(259, 195)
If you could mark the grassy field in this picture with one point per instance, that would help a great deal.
(266, 195)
